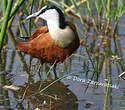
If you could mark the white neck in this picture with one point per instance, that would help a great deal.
(61, 37)
(53, 25)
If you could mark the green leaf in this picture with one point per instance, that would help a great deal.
(104, 5)
(5, 23)
(89, 7)
(98, 6)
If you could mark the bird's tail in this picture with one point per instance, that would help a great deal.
(23, 46)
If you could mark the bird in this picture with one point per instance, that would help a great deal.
(54, 42)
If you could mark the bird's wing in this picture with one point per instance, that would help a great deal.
(24, 46)
(39, 30)
(39, 45)
(44, 48)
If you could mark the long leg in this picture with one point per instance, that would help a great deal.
(54, 70)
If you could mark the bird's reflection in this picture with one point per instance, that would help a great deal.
(55, 97)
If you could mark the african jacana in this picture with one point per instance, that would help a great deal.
(52, 43)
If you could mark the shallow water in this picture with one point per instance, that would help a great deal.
(71, 93)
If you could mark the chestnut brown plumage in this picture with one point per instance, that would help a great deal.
(41, 45)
